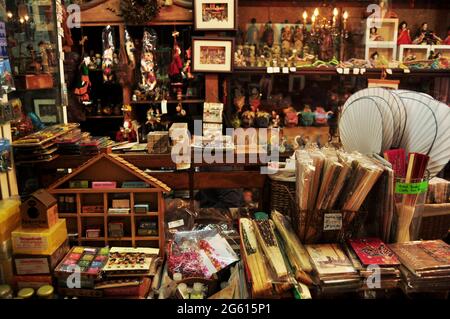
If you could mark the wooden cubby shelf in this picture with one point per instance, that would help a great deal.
(108, 167)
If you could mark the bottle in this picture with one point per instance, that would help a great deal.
(197, 291)
(26, 293)
(6, 292)
(45, 292)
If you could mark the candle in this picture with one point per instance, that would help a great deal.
(9, 14)
(316, 12)
(313, 20)
(345, 16)
(305, 16)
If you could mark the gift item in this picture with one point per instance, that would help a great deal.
(115, 230)
(40, 210)
(158, 142)
(199, 253)
(89, 261)
(146, 228)
(121, 203)
(9, 218)
(104, 185)
(130, 261)
(93, 232)
(39, 264)
(39, 241)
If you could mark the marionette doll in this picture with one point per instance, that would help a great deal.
(83, 88)
(108, 53)
(148, 65)
(187, 74)
(176, 65)
(404, 36)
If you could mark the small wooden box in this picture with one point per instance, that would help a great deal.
(158, 142)
(420, 52)
(121, 203)
(443, 49)
(39, 211)
(34, 81)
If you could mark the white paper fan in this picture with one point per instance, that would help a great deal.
(382, 99)
(361, 126)
(421, 126)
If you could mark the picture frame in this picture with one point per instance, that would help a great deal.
(212, 55)
(46, 110)
(215, 15)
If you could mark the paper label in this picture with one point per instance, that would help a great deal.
(293, 69)
(175, 223)
(164, 107)
(269, 69)
(32, 266)
(36, 243)
(411, 188)
(332, 221)
(346, 70)
(355, 71)
(285, 70)
(276, 69)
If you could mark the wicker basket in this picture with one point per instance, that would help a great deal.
(435, 222)
(279, 195)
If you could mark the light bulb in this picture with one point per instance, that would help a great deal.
(9, 14)
(335, 12)
(27, 18)
(316, 12)
(345, 15)
(21, 20)
(305, 15)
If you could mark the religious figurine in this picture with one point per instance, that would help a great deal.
(326, 45)
(275, 120)
(239, 59)
(253, 33)
(374, 36)
(404, 36)
(298, 38)
(268, 35)
(424, 35)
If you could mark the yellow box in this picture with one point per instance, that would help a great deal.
(9, 217)
(39, 241)
(6, 271)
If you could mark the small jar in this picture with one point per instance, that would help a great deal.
(45, 292)
(6, 292)
(177, 277)
(26, 293)
(197, 291)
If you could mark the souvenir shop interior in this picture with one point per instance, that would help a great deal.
(224, 149)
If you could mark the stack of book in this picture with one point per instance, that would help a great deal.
(425, 265)
(94, 145)
(69, 144)
(376, 262)
(334, 272)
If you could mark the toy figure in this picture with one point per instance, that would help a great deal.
(187, 65)
(374, 36)
(255, 100)
(108, 50)
(84, 86)
(447, 39)
(130, 49)
(239, 59)
(286, 38)
(176, 65)
(326, 46)
(404, 36)
(239, 102)
(408, 57)
(98, 60)
(148, 67)
(262, 119)
(275, 119)
(180, 110)
(252, 59)
(426, 36)
(276, 53)
(253, 33)
(307, 116)
(268, 35)
(298, 39)
(378, 61)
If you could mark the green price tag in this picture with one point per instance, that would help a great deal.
(411, 188)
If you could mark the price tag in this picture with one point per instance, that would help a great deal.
(332, 221)
(389, 71)
(285, 70)
(163, 106)
(175, 223)
(355, 71)
(293, 69)
(411, 188)
(406, 71)
(346, 70)
(339, 70)
(276, 69)
(362, 71)
(269, 69)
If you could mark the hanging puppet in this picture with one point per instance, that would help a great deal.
(176, 65)
(148, 64)
(84, 86)
(108, 52)
(187, 65)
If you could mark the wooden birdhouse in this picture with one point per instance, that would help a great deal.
(39, 210)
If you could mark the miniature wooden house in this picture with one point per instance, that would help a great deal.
(39, 210)
(123, 182)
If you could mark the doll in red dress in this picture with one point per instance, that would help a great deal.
(404, 36)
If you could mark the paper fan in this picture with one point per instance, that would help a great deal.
(383, 100)
(421, 126)
(361, 126)
(440, 153)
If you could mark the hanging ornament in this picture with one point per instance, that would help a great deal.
(108, 52)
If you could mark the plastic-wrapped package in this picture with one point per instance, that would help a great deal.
(178, 217)
(200, 253)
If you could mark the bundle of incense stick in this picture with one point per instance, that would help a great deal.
(365, 173)
(258, 273)
(268, 242)
(305, 173)
(297, 254)
(331, 171)
(346, 169)
(417, 164)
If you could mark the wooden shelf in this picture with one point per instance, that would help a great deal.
(171, 101)
(146, 238)
(119, 238)
(67, 215)
(101, 191)
(104, 117)
(87, 215)
(155, 214)
(93, 239)
(118, 215)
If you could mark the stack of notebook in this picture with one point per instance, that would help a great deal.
(425, 265)
(334, 272)
(376, 262)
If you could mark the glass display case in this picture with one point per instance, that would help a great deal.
(34, 35)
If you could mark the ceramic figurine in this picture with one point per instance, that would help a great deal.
(239, 59)
(404, 36)
(425, 36)
(253, 33)
(286, 38)
(298, 38)
(268, 35)
(275, 119)
(130, 49)
(247, 119)
(321, 116)
(307, 116)
(374, 36)
(290, 117)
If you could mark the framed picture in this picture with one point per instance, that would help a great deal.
(212, 54)
(215, 15)
(46, 110)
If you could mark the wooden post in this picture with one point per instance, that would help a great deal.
(212, 88)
